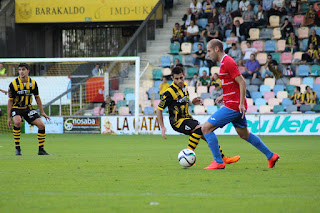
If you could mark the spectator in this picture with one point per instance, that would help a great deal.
(239, 30)
(97, 71)
(297, 98)
(311, 56)
(215, 17)
(233, 8)
(217, 92)
(225, 21)
(207, 8)
(196, 8)
(267, 5)
(205, 79)
(248, 18)
(177, 34)
(109, 105)
(199, 57)
(243, 6)
(176, 63)
(195, 81)
(192, 33)
(164, 85)
(5, 92)
(252, 68)
(278, 8)
(2, 71)
(233, 39)
(266, 73)
(286, 29)
(220, 3)
(261, 17)
(235, 53)
(211, 32)
(314, 39)
(309, 18)
(293, 7)
(215, 81)
(248, 51)
(310, 97)
(187, 18)
(292, 43)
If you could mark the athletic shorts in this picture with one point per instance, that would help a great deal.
(27, 114)
(225, 115)
(187, 125)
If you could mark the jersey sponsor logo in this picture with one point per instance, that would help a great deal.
(31, 113)
(183, 100)
(212, 119)
(24, 92)
(187, 128)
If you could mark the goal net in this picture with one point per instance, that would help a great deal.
(77, 87)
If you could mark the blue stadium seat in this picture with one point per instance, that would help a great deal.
(212, 109)
(265, 88)
(290, 89)
(308, 81)
(286, 102)
(278, 108)
(128, 90)
(291, 108)
(191, 71)
(120, 104)
(205, 96)
(165, 61)
(303, 70)
(265, 33)
(278, 88)
(252, 88)
(316, 88)
(259, 102)
(304, 44)
(282, 81)
(178, 57)
(202, 23)
(152, 91)
(195, 46)
(130, 97)
(228, 33)
(148, 111)
(305, 108)
(315, 70)
(157, 84)
(225, 45)
(201, 69)
(270, 46)
(175, 48)
(188, 60)
(255, 95)
(156, 74)
(276, 57)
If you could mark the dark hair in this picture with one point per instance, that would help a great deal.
(298, 88)
(177, 24)
(307, 87)
(269, 55)
(286, 19)
(233, 44)
(177, 70)
(24, 65)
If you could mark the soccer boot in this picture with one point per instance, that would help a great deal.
(272, 162)
(228, 160)
(43, 152)
(18, 152)
(215, 165)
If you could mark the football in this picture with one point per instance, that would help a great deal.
(186, 157)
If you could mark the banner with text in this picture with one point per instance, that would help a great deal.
(54, 125)
(305, 124)
(53, 11)
(81, 125)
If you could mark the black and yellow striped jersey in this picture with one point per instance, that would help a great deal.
(21, 93)
(177, 101)
(310, 98)
(297, 97)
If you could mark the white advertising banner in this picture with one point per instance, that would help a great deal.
(55, 125)
(288, 124)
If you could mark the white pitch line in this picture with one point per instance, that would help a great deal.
(106, 194)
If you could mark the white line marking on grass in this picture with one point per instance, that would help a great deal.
(104, 194)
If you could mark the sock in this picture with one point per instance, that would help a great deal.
(194, 139)
(257, 142)
(221, 152)
(212, 141)
(41, 138)
(16, 136)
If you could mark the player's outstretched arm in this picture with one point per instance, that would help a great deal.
(4, 91)
(160, 120)
(39, 103)
(197, 101)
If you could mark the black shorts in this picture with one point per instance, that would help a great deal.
(28, 114)
(187, 125)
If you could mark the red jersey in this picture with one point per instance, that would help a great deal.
(231, 89)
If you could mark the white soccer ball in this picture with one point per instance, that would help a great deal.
(186, 157)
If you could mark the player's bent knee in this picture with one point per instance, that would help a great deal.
(244, 135)
(41, 126)
(207, 128)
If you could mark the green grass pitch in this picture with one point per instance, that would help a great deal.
(99, 173)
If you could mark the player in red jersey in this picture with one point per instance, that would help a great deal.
(234, 90)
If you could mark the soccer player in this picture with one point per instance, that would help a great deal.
(176, 98)
(19, 106)
(233, 96)
(4, 91)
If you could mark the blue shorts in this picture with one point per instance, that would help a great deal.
(224, 116)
